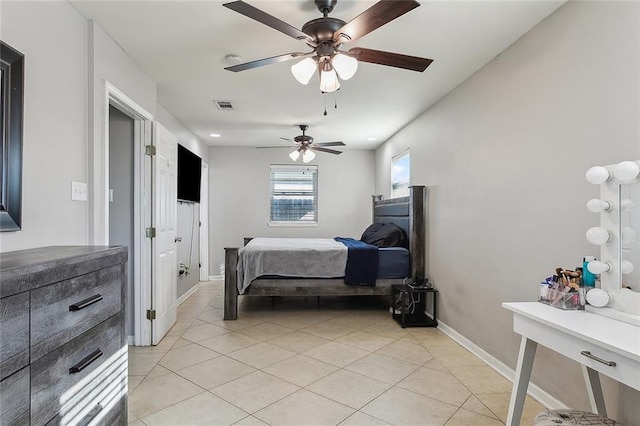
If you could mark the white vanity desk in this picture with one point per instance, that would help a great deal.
(599, 344)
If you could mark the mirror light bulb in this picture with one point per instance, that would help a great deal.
(597, 175)
(598, 235)
(345, 65)
(294, 155)
(308, 155)
(597, 267)
(598, 297)
(304, 69)
(626, 171)
(596, 206)
(626, 267)
(627, 236)
(626, 205)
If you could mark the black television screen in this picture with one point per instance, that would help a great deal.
(189, 173)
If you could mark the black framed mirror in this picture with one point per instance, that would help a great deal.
(11, 116)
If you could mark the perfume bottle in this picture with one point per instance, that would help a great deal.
(588, 278)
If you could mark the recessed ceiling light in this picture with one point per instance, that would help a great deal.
(371, 139)
(215, 135)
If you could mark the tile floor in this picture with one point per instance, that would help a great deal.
(344, 362)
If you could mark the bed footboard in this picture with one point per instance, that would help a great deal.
(230, 283)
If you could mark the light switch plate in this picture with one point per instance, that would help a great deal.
(78, 191)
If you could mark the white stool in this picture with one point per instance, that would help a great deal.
(570, 418)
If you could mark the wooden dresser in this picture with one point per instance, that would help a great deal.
(63, 351)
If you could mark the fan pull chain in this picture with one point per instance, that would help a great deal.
(335, 104)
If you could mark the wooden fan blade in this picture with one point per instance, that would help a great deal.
(330, 151)
(329, 144)
(266, 19)
(376, 16)
(397, 60)
(266, 61)
(285, 139)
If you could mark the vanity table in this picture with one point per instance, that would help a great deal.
(600, 344)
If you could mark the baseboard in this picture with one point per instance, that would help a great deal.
(534, 391)
(186, 295)
(216, 277)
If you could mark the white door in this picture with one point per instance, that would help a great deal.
(164, 220)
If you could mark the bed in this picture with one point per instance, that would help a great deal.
(408, 213)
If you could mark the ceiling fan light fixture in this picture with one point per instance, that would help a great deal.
(304, 70)
(308, 155)
(329, 81)
(345, 65)
(294, 155)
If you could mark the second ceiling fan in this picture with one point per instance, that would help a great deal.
(326, 35)
(304, 145)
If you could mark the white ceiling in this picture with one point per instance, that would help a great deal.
(182, 45)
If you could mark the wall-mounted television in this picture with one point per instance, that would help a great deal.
(189, 175)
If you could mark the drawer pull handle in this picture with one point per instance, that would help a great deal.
(84, 362)
(92, 414)
(595, 358)
(85, 302)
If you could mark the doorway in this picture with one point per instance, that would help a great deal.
(127, 181)
(121, 196)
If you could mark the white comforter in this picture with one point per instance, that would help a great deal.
(291, 257)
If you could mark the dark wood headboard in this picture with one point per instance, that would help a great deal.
(407, 213)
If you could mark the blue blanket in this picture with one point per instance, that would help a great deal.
(362, 262)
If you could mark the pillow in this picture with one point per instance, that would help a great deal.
(384, 235)
(370, 231)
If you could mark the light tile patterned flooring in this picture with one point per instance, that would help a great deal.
(344, 362)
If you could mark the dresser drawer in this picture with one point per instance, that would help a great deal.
(616, 366)
(14, 399)
(102, 402)
(65, 381)
(14, 333)
(99, 416)
(64, 310)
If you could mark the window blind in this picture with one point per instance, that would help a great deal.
(294, 194)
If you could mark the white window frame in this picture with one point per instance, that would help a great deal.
(314, 192)
(400, 181)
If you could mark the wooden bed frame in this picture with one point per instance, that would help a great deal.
(406, 212)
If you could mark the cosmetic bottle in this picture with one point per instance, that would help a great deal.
(588, 278)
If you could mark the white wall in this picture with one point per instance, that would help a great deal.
(64, 124)
(55, 124)
(239, 196)
(504, 157)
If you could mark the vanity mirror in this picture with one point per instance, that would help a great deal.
(619, 239)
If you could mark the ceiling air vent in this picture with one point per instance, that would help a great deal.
(224, 105)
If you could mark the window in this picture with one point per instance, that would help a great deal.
(293, 193)
(400, 174)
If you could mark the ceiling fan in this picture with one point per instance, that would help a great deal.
(304, 144)
(326, 35)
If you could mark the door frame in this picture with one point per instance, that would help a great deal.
(142, 205)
